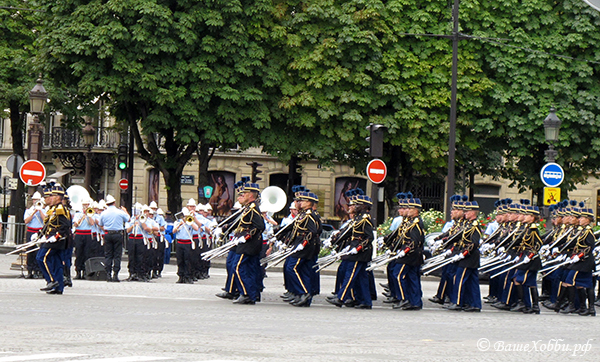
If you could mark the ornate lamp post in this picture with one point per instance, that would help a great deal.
(551, 128)
(89, 136)
(37, 100)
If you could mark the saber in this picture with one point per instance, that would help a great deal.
(513, 267)
(445, 262)
(374, 266)
(550, 269)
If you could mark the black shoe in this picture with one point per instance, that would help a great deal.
(544, 297)
(49, 286)
(188, 281)
(286, 295)
(453, 307)
(401, 304)
(501, 306)
(386, 285)
(335, 301)
(471, 310)
(363, 306)
(591, 311)
(436, 300)
(78, 275)
(569, 309)
(68, 282)
(520, 307)
(303, 301)
(386, 294)
(244, 299)
(293, 300)
(391, 300)
(115, 279)
(108, 279)
(180, 280)
(290, 299)
(29, 275)
(225, 295)
(54, 291)
(535, 309)
(548, 304)
(492, 300)
(351, 303)
(411, 307)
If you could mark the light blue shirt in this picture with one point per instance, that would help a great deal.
(447, 226)
(491, 228)
(396, 223)
(113, 219)
(37, 221)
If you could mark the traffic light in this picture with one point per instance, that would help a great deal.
(375, 140)
(122, 157)
(255, 165)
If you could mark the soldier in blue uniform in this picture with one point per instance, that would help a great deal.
(466, 295)
(354, 279)
(248, 237)
(304, 239)
(55, 234)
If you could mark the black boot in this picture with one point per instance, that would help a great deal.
(562, 297)
(582, 293)
(535, 306)
(571, 307)
(520, 306)
(78, 275)
(591, 310)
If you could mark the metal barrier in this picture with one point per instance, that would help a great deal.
(13, 233)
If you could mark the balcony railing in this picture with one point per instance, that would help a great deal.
(62, 138)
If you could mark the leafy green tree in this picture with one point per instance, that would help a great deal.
(176, 72)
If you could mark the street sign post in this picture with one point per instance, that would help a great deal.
(123, 184)
(32, 172)
(376, 171)
(14, 163)
(552, 174)
(551, 195)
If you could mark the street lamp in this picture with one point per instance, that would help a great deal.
(89, 136)
(551, 128)
(37, 100)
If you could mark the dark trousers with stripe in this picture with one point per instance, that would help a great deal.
(466, 290)
(408, 280)
(184, 259)
(299, 275)
(51, 264)
(315, 276)
(230, 286)
(113, 250)
(247, 275)
(446, 282)
(508, 294)
(135, 250)
(82, 247)
(355, 282)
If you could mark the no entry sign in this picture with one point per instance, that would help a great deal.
(376, 171)
(123, 184)
(32, 172)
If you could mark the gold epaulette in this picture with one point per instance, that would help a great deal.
(60, 210)
(533, 226)
(474, 223)
(308, 212)
(365, 216)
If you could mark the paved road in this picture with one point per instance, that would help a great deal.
(161, 320)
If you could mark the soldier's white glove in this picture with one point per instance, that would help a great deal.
(380, 242)
(388, 252)
(545, 252)
(574, 259)
(279, 244)
(447, 253)
(597, 250)
(526, 259)
(34, 237)
(401, 254)
(353, 251)
(555, 250)
(239, 240)
(327, 244)
(457, 257)
(51, 239)
(516, 259)
(544, 247)
(217, 233)
(562, 258)
(346, 249)
(501, 250)
(300, 247)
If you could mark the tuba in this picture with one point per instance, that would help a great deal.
(273, 199)
(76, 195)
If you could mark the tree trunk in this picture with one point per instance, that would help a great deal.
(204, 154)
(17, 122)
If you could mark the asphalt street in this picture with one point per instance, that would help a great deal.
(162, 320)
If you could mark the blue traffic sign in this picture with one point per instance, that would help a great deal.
(552, 174)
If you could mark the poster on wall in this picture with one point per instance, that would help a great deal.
(343, 184)
(223, 194)
(153, 185)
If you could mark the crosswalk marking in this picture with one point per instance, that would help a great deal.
(35, 357)
(125, 359)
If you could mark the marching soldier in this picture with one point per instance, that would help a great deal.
(56, 231)
(248, 237)
(304, 239)
(357, 249)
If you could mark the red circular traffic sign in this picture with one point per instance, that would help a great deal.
(123, 184)
(32, 172)
(376, 171)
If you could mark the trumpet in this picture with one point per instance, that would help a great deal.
(89, 212)
(189, 220)
(39, 205)
(142, 218)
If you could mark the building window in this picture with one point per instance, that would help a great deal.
(486, 195)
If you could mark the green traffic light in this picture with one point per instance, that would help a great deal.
(122, 165)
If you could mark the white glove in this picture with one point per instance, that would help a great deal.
(574, 259)
(562, 258)
(545, 253)
(34, 237)
(526, 259)
(380, 242)
(401, 254)
(544, 247)
(597, 250)
(279, 244)
(388, 252)
(501, 250)
(346, 249)
(447, 253)
(353, 251)
(51, 239)
(507, 259)
(516, 259)
(217, 233)
(327, 244)
(239, 240)
(300, 247)
(457, 257)
(555, 250)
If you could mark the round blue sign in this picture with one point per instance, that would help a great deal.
(552, 174)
